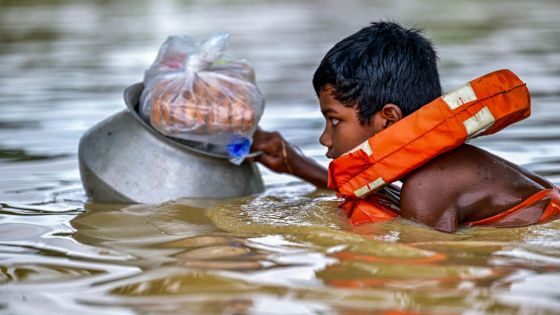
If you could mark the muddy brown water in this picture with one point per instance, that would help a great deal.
(64, 66)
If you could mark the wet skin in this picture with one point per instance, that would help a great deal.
(469, 184)
(465, 184)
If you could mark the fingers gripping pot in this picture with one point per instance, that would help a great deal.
(193, 92)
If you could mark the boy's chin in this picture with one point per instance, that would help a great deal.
(332, 156)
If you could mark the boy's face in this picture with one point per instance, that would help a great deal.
(343, 130)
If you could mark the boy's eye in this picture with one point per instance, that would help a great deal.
(334, 121)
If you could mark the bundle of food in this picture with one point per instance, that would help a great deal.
(195, 93)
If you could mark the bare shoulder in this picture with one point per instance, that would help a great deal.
(465, 184)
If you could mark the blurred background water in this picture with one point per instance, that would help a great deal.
(63, 67)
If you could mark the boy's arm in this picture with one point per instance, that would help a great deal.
(279, 156)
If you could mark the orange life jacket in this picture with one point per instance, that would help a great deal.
(481, 107)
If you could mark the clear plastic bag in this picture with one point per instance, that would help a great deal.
(194, 93)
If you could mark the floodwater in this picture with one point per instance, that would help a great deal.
(64, 66)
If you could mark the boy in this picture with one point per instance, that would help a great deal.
(374, 78)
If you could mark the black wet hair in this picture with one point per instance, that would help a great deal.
(380, 64)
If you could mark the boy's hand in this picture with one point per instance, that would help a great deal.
(277, 154)
(280, 156)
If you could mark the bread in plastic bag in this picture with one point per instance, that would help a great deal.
(195, 93)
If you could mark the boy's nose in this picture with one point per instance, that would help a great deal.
(325, 139)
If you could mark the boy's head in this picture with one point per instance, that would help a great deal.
(372, 79)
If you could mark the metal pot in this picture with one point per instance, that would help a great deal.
(123, 159)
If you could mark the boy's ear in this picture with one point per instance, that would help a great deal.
(390, 114)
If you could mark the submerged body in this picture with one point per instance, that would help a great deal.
(465, 186)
